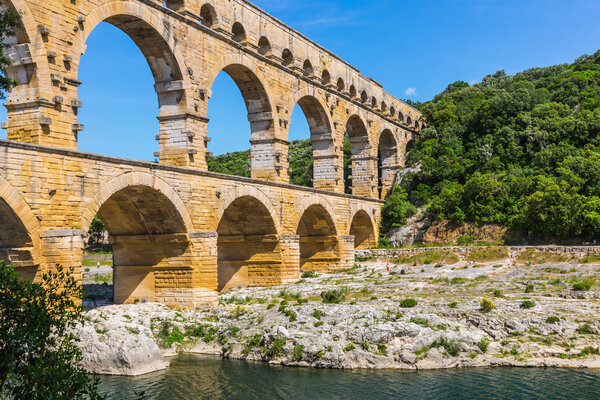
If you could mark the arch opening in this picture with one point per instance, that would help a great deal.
(341, 86)
(352, 91)
(249, 252)
(321, 165)
(208, 15)
(363, 231)
(16, 244)
(387, 162)
(239, 32)
(264, 46)
(364, 97)
(325, 77)
(149, 241)
(258, 114)
(287, 57)
(308, 69)
(319, 246)
(155, 73)
(361, 171)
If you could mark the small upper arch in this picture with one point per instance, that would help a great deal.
(308, 68)
(264, 45)
(208, 16)
(239, 32)
(325, 77)
(287, 57)
(341, 85)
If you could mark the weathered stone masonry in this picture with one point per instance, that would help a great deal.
(181, 234)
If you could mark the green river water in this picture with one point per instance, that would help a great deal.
(191, 377)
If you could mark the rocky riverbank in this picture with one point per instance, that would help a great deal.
(424, 311)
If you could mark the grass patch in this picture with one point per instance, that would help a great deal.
(408, 303)
(429, 257)
(334, 296)
(541, 257)
(527, 304)
(583, 286)
(488, 254)
(309, 274)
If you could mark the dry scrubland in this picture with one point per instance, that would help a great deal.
(430, 310)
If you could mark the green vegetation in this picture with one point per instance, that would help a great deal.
(348, 348)
(429, 257)
(408, 303)
(483, 344)
(553, 319)
(309, 274)
(583, 286)
(236, 163)
(396, 210)
(39, 355)
(298, 353)
(486, 305)
(527, 304)
(484, 254)
(521, 151)
(334, 296)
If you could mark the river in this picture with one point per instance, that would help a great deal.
(191, 377)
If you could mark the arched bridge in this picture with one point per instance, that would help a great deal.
(180, 234)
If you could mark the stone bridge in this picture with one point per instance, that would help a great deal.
(181, 234)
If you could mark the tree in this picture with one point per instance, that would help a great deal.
(396, 210)
(9, 22)
(38, 346)
(97, 229)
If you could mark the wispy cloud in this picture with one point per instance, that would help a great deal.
(411, 91)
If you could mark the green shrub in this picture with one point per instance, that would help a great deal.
(486, 305)
(309, 274)
(348, 348)
(253, 342)
(452, 347)
(582, 286)
(276, 348)
(318, 324)
(497, 293)
(382, 349)
(553, 319)
(334, 296)
(298, 353)
(317, 314)
(408, 303)
(529, 289)
(453, 305)
(585, 329)
(420, 321)
(527, 304)
(483, 344)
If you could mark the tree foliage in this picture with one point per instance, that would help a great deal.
(38, 346)
(10, 21)
(396, 210)
(521, 151)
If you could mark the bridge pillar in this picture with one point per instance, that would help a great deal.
(364, 173)
(268, 154)
(328, 174)
(290, 255)
(183, 140)
(346, 244)
(388, 178)
(62, 247)
(204, 248)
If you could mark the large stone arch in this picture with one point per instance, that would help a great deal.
(362, 227)
(326, 167)
(19, 231)
(300, 207)
(148, 228)
(129, 179)
(319, 243)
(227, 198)
(248, 246)
(267, 148)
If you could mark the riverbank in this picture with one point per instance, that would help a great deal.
(426, 312)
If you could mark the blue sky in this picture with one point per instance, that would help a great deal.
(415, 48)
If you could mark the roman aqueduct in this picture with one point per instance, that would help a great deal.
(181, 234)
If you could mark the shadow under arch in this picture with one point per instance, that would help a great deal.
(148, 231)
(248, 247)
(319, 245)
(19, 232)
(363, 230)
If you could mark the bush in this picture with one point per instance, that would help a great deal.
(582, 286)
(486, 305)
(527, 304)
(382, 349)
(452, 347)
(408, 303)
(348, 348)
(483, 344)
(298, 353)
(552, 319)
(334, 296)
(253, 342)
(497, 293)
(276, 348)
(585, 329)
(529, 289)
(453, 305)
(317, 314)
(39, 355)
(309, 274)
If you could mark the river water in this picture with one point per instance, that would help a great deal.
(191, 377)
